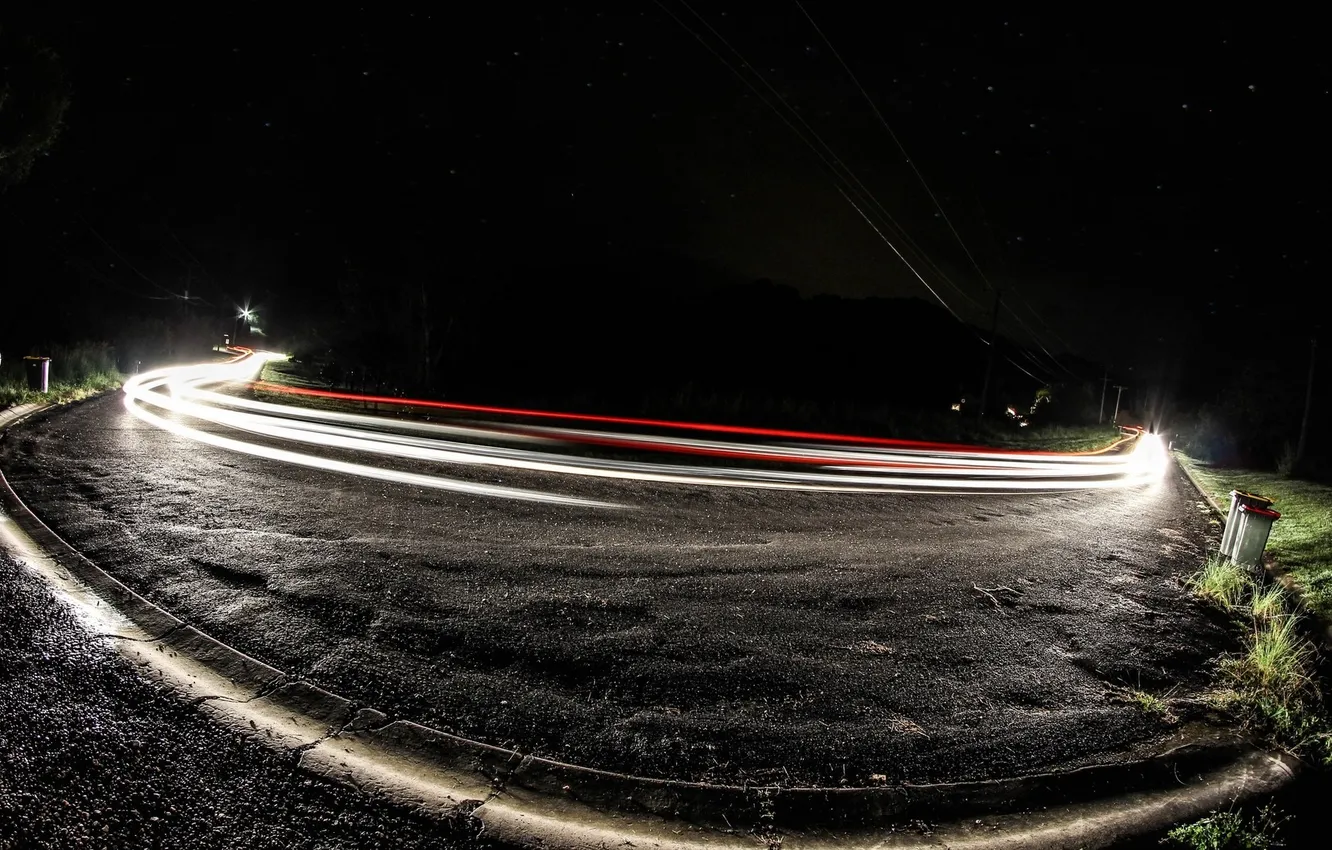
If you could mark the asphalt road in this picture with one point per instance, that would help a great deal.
(707, 633)
(92, 755)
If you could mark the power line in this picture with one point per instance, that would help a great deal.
(884, 121)
(834, 164)
(993, 341)
(899, 254)
(923, 182)
(1036, 338)
(989, 229)
(865, 194)
(132, 268)
(207, 275)
(88, 269)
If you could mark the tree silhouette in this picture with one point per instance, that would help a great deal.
(33, 98)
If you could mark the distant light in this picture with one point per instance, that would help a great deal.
(1150, 458)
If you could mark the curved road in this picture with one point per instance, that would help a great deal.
(724, 633)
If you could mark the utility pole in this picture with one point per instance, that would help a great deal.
(1100, 418)
(1308, 403)
(1118, 396)
(994, 345)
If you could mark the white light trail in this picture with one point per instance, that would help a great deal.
(787, 465)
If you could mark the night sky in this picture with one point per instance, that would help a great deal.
(1135, 187)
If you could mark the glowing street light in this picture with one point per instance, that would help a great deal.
(247, 314)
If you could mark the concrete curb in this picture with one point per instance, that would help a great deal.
(532, 801)
(1197, 485)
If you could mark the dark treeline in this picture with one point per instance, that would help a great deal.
(752, 352)
(638, 343)
(1256, 418)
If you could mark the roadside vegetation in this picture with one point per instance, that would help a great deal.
(1230, 831)
(1053, 438)
(77, 372)
(1271, 684)
(1221, 581)
(1300, 543)
(1158, 707)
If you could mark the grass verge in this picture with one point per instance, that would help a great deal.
(1270, 684)
(13, 393)
(1267, 604)
(1051, 438)
(1300, 541)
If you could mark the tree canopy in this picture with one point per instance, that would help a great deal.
(34, 95)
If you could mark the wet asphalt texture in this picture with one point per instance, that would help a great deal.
(93, 755)
(726, 635)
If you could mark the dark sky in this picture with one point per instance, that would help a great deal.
(1134, 186)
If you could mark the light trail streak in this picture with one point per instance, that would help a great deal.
(791, 460)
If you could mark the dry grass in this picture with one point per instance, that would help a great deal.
(14, 393)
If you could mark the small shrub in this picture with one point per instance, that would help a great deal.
(1230, 831)
(1222, 581)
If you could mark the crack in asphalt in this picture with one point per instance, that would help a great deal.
(144, 640)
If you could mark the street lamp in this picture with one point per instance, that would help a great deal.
(245, 314)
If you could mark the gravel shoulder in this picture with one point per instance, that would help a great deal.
(720, 635)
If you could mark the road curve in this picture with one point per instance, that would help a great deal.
(801, 462)
(828, 630)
